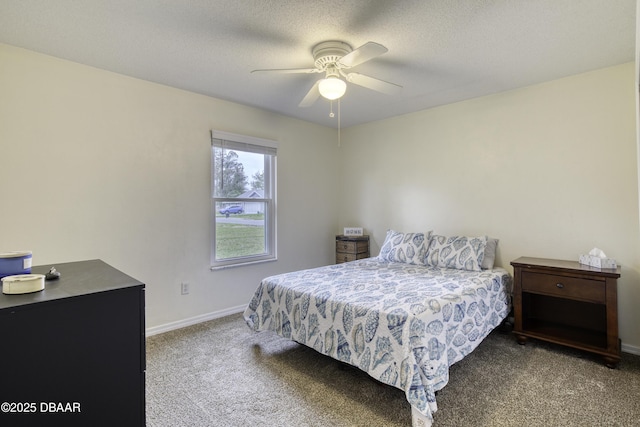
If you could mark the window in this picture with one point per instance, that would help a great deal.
(243, 206)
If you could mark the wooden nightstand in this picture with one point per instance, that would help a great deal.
(565, 302)
(350, 248)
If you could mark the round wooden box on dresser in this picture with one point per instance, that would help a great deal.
(351, 248)
(567, 303)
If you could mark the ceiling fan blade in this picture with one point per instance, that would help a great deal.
(289, 70)
(362, 54)
(373, 83)
(311, 97)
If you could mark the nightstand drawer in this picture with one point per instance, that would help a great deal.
(564, 286)
(344, 257)
(352, 247)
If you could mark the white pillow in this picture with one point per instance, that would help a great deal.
(408, 248)
(489, 253)
(459, 252)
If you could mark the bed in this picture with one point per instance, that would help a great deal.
(403, 317)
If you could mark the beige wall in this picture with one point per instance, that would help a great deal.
(98, 165)
(549, 169)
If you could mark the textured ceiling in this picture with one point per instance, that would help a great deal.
(440, 51)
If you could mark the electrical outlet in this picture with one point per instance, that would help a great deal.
(184, 288)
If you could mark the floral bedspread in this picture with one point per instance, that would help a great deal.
(402, 324)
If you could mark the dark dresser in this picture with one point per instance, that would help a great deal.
(74, 353)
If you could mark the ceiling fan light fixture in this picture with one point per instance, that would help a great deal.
(332, 87)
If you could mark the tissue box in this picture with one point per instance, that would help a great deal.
(598, 262)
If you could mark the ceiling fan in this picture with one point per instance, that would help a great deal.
(332, 58)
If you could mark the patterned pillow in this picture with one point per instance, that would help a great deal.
(459, 252)
(408, 248)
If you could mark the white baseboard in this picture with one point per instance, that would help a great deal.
(154, 330)
(630, 349)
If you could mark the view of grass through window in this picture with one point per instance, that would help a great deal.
(234, 240)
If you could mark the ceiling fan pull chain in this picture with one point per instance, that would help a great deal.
(338, 122)
(331, 109)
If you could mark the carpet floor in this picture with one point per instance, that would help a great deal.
(220, 373)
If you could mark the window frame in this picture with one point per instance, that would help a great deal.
(226, 140)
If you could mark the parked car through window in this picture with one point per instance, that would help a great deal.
(232, 210)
